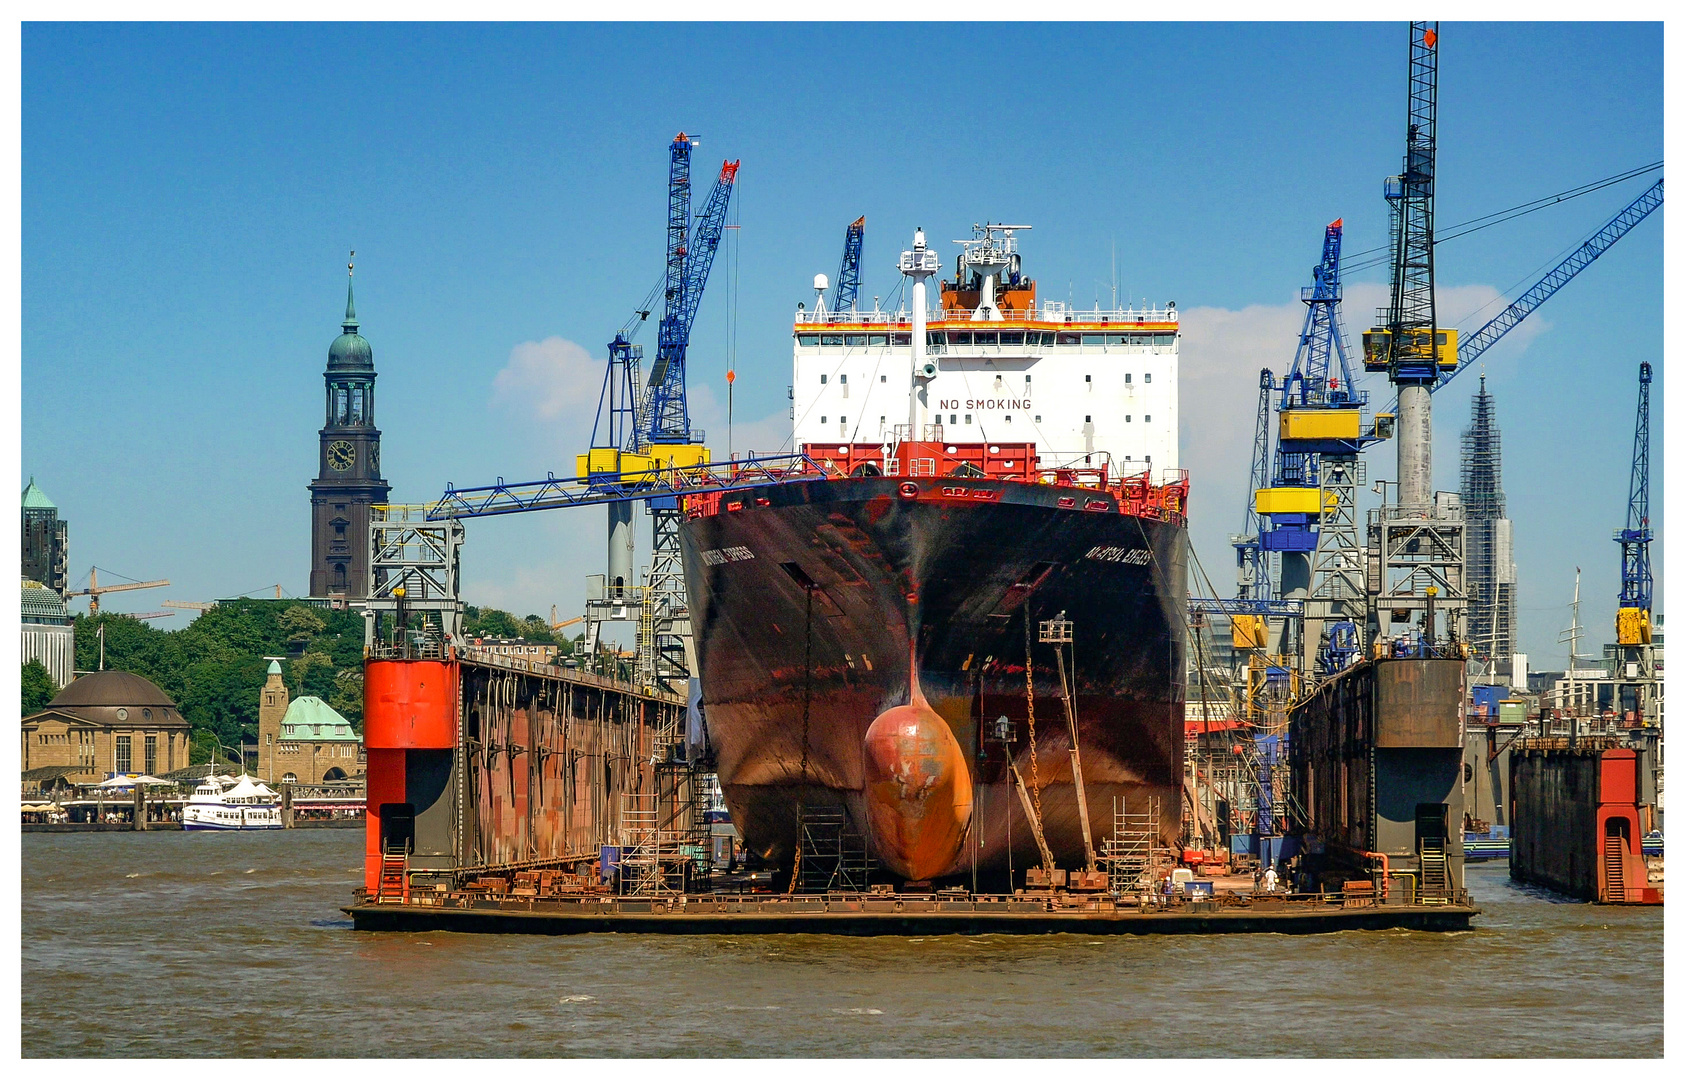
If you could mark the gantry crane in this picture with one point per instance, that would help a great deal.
(95, 590)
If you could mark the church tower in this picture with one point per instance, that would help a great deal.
(348, 478)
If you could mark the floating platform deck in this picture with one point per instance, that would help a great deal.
(869, 916)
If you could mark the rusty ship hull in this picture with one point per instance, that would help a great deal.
(859, 637)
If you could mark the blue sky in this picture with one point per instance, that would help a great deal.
(189, 194)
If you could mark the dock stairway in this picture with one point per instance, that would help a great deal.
(393, 886)
(1436, 883)
(1614, 869)
(834, 856)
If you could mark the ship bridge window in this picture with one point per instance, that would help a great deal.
(1148, 377)
(809, 340)
(959, 337)
(932, 337)
(830, 339)
(1164, 341)
(823, 379)
(1116, 339)
(1128, 378)
(903, 339)
(1012, 337)
(854, 339)
(1094, 339)
(1148, 418)
(1069, 339)
(987, 337)
(878, 339)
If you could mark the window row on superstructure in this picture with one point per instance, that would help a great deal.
(941, 340)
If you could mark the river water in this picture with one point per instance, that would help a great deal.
(200, 944)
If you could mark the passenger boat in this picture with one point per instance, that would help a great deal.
(242, 806)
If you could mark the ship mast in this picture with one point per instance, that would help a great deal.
(919, 264)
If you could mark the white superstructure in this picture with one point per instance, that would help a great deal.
(998, 366)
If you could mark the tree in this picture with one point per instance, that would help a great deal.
(301, 624)
(38, 687)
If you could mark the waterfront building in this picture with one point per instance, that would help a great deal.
(303, 741)
(45, 540)
(533, 652)
(47, 632)
(104, 723)
(348, 478)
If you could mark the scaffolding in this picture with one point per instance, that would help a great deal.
(834, 855)
(1489, 550)
(1131, 854)
(647, 851)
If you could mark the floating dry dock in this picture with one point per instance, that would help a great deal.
(880, 915)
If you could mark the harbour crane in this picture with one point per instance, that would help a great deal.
(191, 605)
(1559, 275)
(95, 590)
(848, 273)
(1252, 562)
(1632, 619)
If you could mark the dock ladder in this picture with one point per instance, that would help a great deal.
(1436, 885)
(394, 884)
(1614, 869)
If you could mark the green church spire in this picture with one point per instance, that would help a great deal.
(350, 301)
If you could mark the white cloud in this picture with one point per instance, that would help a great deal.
(554, 379)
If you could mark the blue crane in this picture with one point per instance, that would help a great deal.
(665, 416)
(1253, 563)
(1632, 620)
(1564, 272)
(848, 274)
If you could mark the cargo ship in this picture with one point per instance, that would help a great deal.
(870, 633)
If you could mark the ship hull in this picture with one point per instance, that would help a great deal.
(820, 607)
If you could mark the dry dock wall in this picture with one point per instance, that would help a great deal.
(1376, 756)
(1577, 822)
(475, 765)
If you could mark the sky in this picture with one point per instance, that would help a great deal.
(191, 192)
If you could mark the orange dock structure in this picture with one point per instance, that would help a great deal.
(479, 763)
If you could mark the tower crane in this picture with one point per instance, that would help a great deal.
(95, 590)
(1632, 619)
(1415, 544)
(848, 272)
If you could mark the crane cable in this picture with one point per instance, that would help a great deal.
(1498, 217)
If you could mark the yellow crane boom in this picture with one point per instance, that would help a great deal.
(95, 590)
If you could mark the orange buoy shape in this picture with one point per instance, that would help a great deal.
(918, 791)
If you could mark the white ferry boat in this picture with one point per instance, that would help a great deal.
(246, 804)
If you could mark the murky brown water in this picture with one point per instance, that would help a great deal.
(178, 944)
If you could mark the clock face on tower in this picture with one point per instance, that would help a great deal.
(341, 455)
(374, 458)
